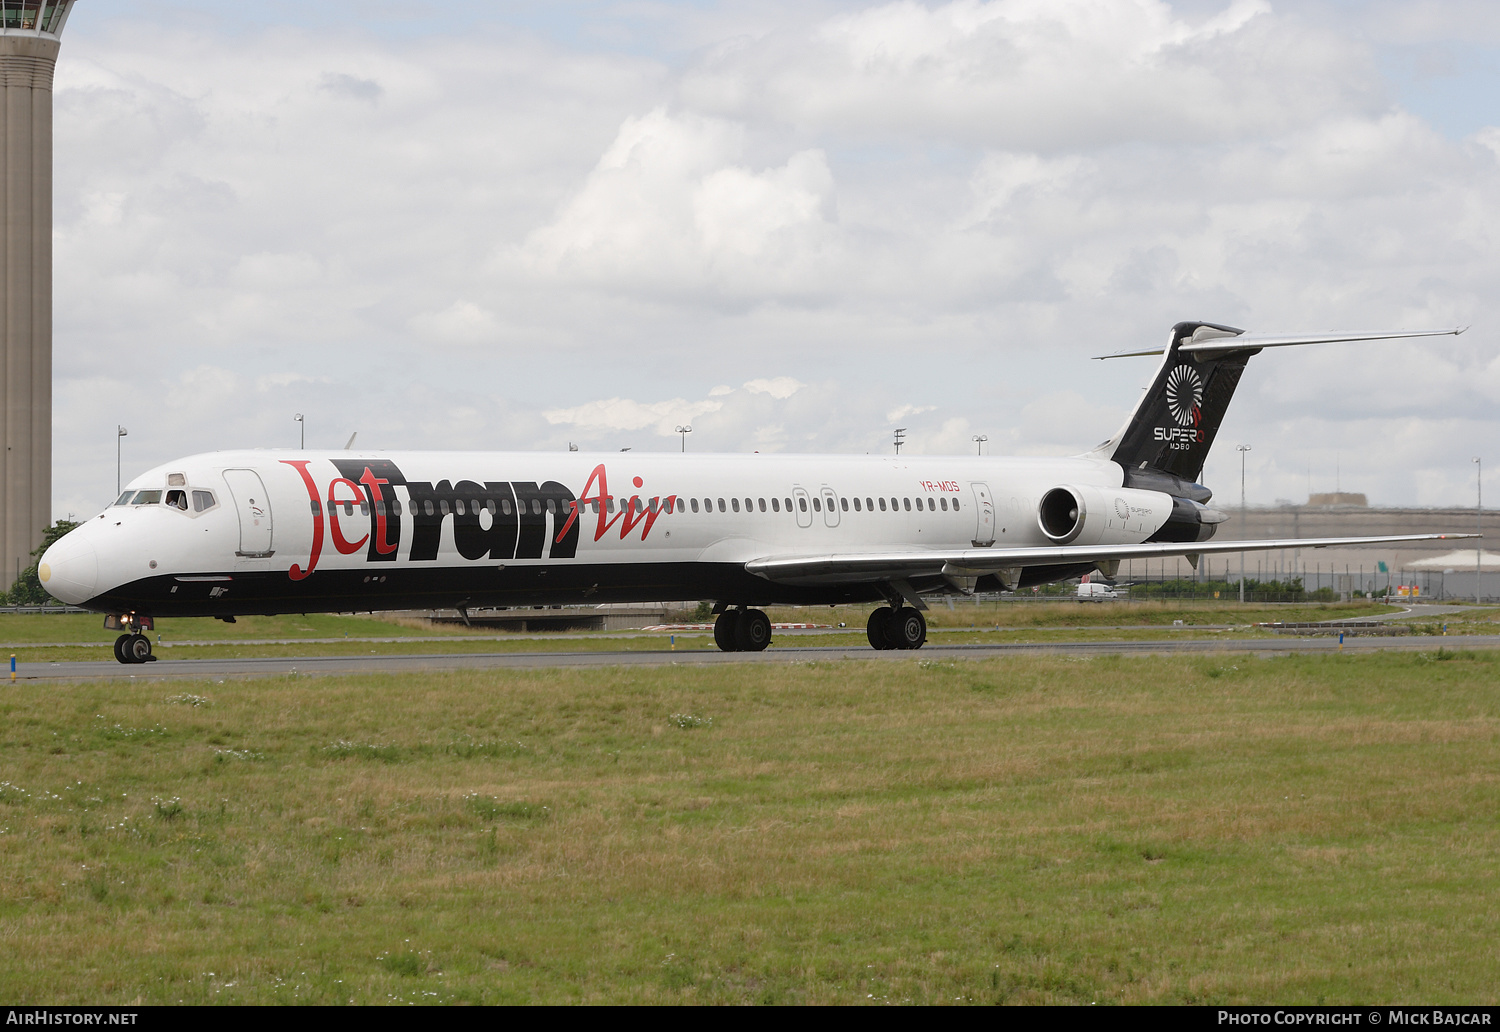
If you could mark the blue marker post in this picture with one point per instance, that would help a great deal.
(674, 642)
(1341, 641)
(12, 666)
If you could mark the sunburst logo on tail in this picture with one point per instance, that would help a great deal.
(1185, 395)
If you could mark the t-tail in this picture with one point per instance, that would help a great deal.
(1165, 443)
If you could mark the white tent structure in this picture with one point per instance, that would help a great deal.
(1461, 560)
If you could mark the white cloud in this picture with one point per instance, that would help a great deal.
(462, 322)
(924, 212)
(624, 414)
(780, 387)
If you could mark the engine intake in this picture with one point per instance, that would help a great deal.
(1101, 516)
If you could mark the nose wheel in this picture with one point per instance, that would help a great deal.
(133, 648)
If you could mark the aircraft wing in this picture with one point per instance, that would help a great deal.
(866, 567)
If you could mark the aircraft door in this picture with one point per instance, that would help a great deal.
(830, 506)
(804, 507)
(984, 505)
(254, 508)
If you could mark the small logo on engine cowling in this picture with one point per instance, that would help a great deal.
(1121, 509)
(1185, 395)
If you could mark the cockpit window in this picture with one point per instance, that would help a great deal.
(125, 498)
(177, 500)
(203, 501)
(147, 498)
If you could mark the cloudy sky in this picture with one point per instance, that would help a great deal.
(482, 224)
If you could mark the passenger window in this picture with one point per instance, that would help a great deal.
(536, 507)
(817, 505)
(955, 505)
(788, 505)
(177, 500)
(762, 505)
(943, 504)
(721, 505)
(870, 504)
(204, 500)
(552, 506)
(735, 504)
(125, 498)
(655, 504)
(856, 505)
(460, 508)
(364, 508)
(908, 504)
(932, 505)
(695, 505)
(749, 505)
(802, 504)
(882, 505)
(681, 505)
(895, 505)
(844, 504)
(147, 498)
(427, 508)
(775, 504)
(489, 503)
(317, 510)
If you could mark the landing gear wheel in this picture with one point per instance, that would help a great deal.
(910, 628)
(724, 630)
(752, 631)
(120, 644)
(878, 630)
(138, 648)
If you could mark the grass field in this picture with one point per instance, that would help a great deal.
(1117, 830)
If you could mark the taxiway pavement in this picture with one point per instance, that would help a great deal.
(221, 669)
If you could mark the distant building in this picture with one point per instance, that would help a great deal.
(1338, 498)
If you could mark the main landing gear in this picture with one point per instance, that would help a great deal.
(904, 628)
(742, 630)
(133, 648)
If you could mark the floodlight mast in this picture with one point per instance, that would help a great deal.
(1242, 449)
(30, 31)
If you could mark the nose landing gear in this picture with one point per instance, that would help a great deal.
(133, 648)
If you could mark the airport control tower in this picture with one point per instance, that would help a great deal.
(29, 34)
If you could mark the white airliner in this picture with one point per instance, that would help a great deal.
(227, 534)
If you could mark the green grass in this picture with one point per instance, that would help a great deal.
(1184, 829)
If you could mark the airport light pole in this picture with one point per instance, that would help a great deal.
(900, 439)
(684, 431)
(1479, 523)
(302, 430)
(1242, 449)
(120, 432)
(979, 440)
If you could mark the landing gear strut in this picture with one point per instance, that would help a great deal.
(904, 628)
(742, 630)
(133, 648)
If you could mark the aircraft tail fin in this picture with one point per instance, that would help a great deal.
(1175, 423)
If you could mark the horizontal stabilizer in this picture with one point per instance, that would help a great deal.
(872, 567)
(1256, 341)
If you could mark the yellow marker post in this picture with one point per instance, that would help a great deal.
(12, 666)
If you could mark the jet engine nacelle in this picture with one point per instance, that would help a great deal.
(1102, 516)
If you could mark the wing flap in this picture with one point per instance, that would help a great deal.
(871, 567)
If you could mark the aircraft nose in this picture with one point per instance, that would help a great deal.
(69, 570)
